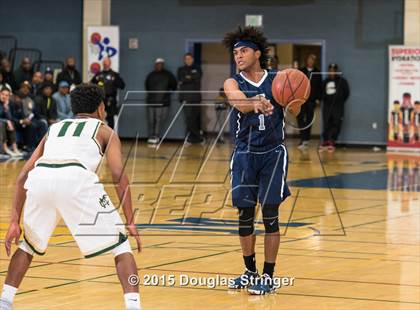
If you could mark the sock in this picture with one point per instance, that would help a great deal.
(250, 263)
(8, 293)
(132, 301)
(269, 268)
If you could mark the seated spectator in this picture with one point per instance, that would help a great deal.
(31, 113)
(45, 104)
(7, 129)
(3, 83)
(22, 123)
(25, 90)
(23, 73)
(70, 73)
(6, 70)
(49, 77)
(37, 80)
(62, 98)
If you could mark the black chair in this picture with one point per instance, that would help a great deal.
(18, 53)
(7, 44)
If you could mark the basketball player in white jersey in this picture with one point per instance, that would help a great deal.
(59, 181)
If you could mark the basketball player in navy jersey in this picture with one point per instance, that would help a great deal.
(259, 160)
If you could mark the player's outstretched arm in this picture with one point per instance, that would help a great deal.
(120, 179)
(14, 231)
(238, 100)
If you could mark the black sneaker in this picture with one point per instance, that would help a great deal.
(263, 285)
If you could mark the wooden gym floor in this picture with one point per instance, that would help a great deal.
(350, 235)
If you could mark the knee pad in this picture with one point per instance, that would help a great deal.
(246, 221)
(271, 218)
(122, 248)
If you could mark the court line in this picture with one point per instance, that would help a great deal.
(344, 211)
(371, 242)
(164, 264)
(383, 220)
(279, 293)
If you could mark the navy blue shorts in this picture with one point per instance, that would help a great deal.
(259, 177)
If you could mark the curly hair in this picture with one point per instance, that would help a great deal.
(248, 34)
(86, 98)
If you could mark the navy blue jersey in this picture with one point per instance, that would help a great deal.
(254, 131)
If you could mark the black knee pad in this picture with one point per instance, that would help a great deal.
(246, 221)
(270, 218)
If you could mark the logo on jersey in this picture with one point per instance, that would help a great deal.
(104, 201)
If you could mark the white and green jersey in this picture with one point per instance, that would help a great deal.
(74, 141)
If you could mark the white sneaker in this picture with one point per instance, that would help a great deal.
(18, 153)
(153, 140)
(303, 146)
(9, 152)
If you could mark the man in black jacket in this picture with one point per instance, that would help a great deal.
(335, 92)
(23, 73)
(159, 84)
(70, 73)
(110, 81)
(306, 114)
(189, 79)
(45, 104)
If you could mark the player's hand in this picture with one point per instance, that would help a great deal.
(132, 231)
(13, 233)
(262, 105)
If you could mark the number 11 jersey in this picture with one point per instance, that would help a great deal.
(74, 140)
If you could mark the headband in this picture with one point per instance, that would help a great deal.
(247, 44)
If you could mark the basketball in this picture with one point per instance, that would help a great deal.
(291, 86)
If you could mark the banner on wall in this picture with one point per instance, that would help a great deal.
(103, 41)
(404, 99)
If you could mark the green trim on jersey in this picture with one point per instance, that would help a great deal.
(60, 165)
(94, 138)
(122, 238)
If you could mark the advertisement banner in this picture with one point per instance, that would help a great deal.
(103, 42)
(404, 99)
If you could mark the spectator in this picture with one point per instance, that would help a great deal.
(6, 70)
(3, 83)
(111, 82)
(25, 90)
(40, 126)
(189, 78)
(62, 98)
(159, 84)
(22, 122)
(306, 114)
(49, 77)
(45, 105)
(335, 92)
(23, 73)
(37, 80)
(70, 73)
(7, 129)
